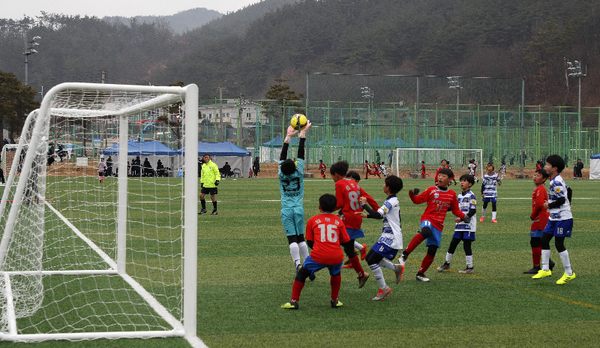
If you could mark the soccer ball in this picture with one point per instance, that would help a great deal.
(298, 122)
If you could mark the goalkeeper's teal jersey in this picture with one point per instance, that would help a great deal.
(292, 186)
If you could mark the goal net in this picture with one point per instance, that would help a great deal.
(84, 256)
(409, 159)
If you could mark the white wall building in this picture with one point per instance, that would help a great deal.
(230, 110)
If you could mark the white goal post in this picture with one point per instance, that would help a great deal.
(410, 158)
(83, 256)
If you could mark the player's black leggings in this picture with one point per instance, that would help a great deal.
(559, 242)
(295, 239)
(466, 244)
(493, 206)
(536, 242)
(431, 249)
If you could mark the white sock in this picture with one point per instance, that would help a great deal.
(493, 215)
(545, 260)
(482, 212)
(358, 246)
(449, 257)
(378, 276)
(295, 252)
(387, 264)
(303, 250)
(469, 261)
(564, 257)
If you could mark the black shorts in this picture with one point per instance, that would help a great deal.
(211, 191)
(100, 174)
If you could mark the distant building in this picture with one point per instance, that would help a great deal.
(230, 111)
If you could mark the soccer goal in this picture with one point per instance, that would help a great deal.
(410, 159)
(87, 257)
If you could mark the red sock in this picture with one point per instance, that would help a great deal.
(336, 282)
(297, 290)
(536, 253)
(357, 267)
(418, 239)
(427, 260)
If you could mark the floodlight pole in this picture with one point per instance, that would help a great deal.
(455, 84)
(29, 50)
(574, 69)
(368, 94)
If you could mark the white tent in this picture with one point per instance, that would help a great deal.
(595, 166)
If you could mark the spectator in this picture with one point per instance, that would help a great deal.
(135, 166)
(256, 167)
(227, 170)
(160, 169)
(148, 171)
(109, 165)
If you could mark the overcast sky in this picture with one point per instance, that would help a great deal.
(126, 8)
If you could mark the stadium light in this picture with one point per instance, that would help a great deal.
(368, 94)
(29, 50)
(455, 84)
(574, 69)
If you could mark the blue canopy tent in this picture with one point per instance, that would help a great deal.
(439, 143)
(239, 159)
(153, 150)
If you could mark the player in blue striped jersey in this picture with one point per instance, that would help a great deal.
(489, 191)
(560, 224)
(467, 203)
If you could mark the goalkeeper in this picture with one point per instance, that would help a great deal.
(208, 183)
(291, 185)
(439, 199)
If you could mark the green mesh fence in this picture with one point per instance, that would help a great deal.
(366, 117)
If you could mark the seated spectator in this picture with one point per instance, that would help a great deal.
(227, 170)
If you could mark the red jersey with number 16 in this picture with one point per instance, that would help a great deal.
(438, 202)
(348, 193)
(327, 231)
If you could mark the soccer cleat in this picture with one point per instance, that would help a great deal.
(381, 294)
(336, 304)
(565, 278)
(444, 267)
(534, 270)
(467, 270)
(290, 305)
(481, 219)
(214, 212)
(399, 273)
(347, 266)
(542, 274)
(362, 280)
(422, 277)
(203, 211)
(347, 262)
(494, 221)
(363, 252)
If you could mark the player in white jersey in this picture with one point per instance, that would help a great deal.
(383, 170)
(472, 169)
(560, 224)
(502, 170)
(489, 191)
(386, 248)
(467, 203)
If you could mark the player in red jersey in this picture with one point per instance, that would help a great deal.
(324, 234)
(322, 168)
(439, 200)
(375, 170)
(444, 164)
(347, 194)
(423, 171)
(539, 218)
(367, 169)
